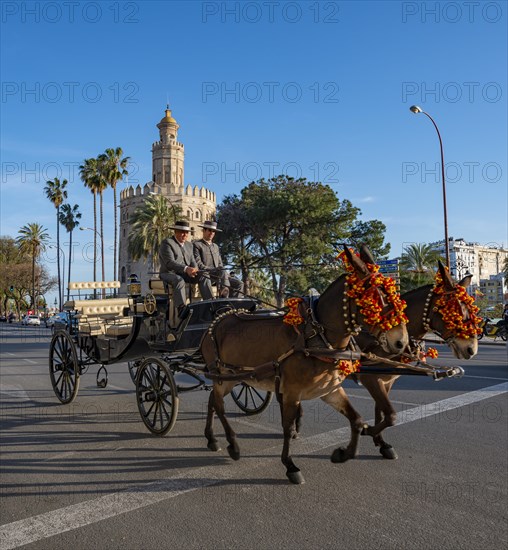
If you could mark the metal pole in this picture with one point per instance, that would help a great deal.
(447, 251)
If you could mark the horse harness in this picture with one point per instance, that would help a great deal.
(312, 329)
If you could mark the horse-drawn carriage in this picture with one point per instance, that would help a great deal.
(146, 333)
(302, 354)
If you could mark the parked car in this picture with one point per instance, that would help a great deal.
(62, 321)
(3, 319)
(50, 321)
(31, 320)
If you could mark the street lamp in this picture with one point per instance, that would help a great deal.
(61, 291)
(416, 110)
(95, 252)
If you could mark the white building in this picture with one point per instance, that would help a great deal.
(482, 261)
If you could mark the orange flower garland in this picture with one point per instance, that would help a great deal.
(432, 353)
(367, 299)
(349, 367)
(293, 316)
(449, 306)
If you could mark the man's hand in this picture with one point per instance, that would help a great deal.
(191, 271)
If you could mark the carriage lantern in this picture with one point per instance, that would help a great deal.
(134, 286)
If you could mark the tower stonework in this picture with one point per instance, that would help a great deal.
(197, 203)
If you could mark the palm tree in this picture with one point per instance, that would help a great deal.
(114, 169)
(56, 193)
(90, 173)
(69, 217)
(150, 226)
(418, 265)
(32, 241)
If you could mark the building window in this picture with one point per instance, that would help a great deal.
(122, 277)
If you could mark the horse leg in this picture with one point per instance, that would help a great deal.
(213, 444)
(289, 414)
(340, 402)
(218, 392)
(385, 414)
(295, 428)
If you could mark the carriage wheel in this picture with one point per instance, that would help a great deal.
(133, 369)
(250, 400)
(63, 367)
(157, 396)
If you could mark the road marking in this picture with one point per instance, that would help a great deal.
(483, 377)
(49, 524)
(14, 391)
(354, 396)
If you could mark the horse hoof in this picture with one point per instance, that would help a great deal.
(296, 477)
(234, 452)
(213, 446)
(295, 435)
(388, 452)
(339, 455)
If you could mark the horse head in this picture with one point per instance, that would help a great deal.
(450, 313)
(369, 300)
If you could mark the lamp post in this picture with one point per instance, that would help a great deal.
(416, 110)
(94, 264)
(62, 290)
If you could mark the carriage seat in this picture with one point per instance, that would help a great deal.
(108, 317)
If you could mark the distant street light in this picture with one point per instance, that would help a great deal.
(62, 290)
(415, 109)
(94, 264)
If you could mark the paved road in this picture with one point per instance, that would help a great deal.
(90, 475)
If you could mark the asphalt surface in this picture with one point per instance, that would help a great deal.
(89, 474)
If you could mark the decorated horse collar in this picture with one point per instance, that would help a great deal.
(448, 305)
(366, 292)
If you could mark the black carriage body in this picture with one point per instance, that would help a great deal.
(187, 335)
(152, 333)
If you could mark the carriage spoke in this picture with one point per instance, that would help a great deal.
(249, 399)
(63, 367)
(156, 395)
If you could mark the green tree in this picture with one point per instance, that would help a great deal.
(418, 266)
(290, 227)
(114, 169)
(370, 233)
(32, 241)
(69, 218)
(56, 193)
(150, 225)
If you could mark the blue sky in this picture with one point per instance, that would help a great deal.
(320, 88)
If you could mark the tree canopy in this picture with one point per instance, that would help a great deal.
(292, 229)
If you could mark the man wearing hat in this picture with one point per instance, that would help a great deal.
(178, 266)
(207, 256)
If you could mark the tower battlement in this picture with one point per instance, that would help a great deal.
(196, 203)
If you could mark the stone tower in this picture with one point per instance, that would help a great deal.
(197, 203)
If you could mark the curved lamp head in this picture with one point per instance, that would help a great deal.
(415, 109)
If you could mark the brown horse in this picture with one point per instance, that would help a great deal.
(423, 317)
(242, 342)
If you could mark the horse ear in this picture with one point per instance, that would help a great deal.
(366, 254)
(358, 265)
(466, 281)
(445, 275)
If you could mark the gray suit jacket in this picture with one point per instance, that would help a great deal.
(206, 255)
(174, 258)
